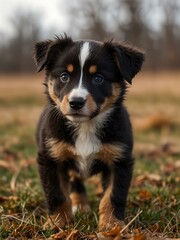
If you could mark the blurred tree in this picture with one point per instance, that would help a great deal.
(16, 54)
(99, 19)
(134, 29)
(86, 19)
(170, 35)
(128, 21)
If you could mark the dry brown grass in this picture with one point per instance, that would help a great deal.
(153, 102)
(157, 82)
(14, 90)
(12, 86)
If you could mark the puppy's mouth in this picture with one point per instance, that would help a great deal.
(77, 117)
(81, 116)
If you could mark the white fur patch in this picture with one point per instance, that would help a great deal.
(75, 208)
(87, 143)
(84, 53)
(83, 56)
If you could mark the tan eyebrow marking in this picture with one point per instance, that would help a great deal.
(93, 69)
(70, 68)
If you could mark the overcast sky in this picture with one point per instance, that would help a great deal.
(54, 15)
(51, 10)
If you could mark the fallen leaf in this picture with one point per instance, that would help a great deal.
(170, 167)
(68, 235)
(157, 121)
(148, 178)
(140, 236)
(113, 232)
(154, 152)
(144, 195)
(170, 148)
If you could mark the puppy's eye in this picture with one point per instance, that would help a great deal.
(98, 79)
(64, 77)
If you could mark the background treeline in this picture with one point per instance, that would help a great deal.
(131, 21)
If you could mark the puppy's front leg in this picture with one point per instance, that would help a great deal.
(58, 201)
(112, 205)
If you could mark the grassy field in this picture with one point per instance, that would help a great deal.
(153, 102)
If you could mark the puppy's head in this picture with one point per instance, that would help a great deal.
(86, 78)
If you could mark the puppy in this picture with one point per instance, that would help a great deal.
(85, 128)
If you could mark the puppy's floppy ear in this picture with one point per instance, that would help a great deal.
(128, 59)
(44, 51)
(40, 55)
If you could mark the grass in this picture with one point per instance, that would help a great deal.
(155, 186)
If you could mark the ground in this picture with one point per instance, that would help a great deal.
(153, 208)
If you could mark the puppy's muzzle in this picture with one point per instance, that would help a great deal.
(77, 103)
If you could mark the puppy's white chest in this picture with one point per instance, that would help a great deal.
(87, 145)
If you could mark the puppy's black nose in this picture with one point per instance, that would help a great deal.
(77, 103)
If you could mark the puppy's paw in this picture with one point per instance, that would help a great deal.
(108, 222)
(57, 222)
(60, 219)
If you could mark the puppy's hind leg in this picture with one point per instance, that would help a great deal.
(78, 195)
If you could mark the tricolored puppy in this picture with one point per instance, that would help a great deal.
(85, 128)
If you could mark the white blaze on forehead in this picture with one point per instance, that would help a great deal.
(83, 56)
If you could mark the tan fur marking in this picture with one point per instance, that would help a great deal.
(70, 68)
(64, 105)
(93, 69)
(74, 175)
(106, 217)
(110, 153)
(91, 105)
(51, 92)
(112, 99)
(61, 150)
